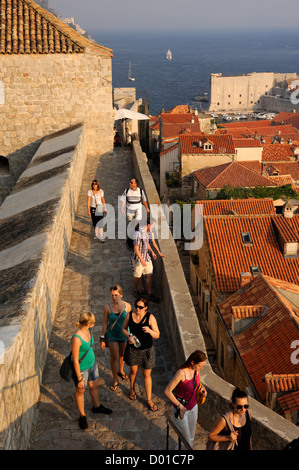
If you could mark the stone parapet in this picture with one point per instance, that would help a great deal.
(36, 222)
(270, 430)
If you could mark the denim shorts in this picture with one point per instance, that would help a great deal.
(88, 375)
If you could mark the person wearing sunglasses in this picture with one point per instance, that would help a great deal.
(143, 325)
(240, 421)
(133, 198)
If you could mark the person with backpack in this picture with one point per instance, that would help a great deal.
(133, 198)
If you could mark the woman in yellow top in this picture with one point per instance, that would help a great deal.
(86, 371)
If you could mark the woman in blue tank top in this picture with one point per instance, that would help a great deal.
(115, 313)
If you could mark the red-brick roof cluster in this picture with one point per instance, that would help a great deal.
(231, 256)
(264, 343)
(249, 206)
(222, 144)
(27, 28)
(287, 118)
(234, 174)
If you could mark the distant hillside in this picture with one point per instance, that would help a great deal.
(70, 21)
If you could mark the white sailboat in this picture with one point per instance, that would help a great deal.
(169, 55)
(130, 74)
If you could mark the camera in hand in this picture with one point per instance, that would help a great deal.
(184, 402)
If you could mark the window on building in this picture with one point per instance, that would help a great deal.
(255, 270)
(246, 237)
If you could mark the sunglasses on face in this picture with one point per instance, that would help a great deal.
(239, 407)
(141, 307)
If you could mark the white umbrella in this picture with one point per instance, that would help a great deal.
(128, 114)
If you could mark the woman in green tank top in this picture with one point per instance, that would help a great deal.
(86, 371)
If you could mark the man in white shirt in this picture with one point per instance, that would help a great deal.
(133, 198)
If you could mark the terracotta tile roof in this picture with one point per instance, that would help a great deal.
(283, 180)
(221, 144)
(230, 256)
(231, 174)
(289, 402)
(254, 165)
(287, 118)
(283, 168)
(264, 342)
(27, 28)
(275, 152)
(247, 311)
(282, 382)
(180, 118)
(263, 123)
(179, 109)
(244, 143)
(250, 206)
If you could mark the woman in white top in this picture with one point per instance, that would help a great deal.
(95, 196)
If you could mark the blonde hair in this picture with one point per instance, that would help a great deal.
(85, 318)
(118, 288)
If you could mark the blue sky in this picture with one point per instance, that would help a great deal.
(172, 15)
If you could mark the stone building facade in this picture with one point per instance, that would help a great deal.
(51, 77)
(246, 92)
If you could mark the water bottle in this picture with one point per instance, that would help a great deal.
(135, 340)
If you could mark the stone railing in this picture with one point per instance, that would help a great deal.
(36, 222)
(270, 431)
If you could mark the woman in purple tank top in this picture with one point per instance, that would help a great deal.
(181, 391)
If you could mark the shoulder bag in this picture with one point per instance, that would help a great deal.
(67, 370)
(99, 208)
(113, 324)
(223, 445)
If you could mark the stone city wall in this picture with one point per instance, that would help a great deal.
(270, 431)
(43, 94)
(36, 222)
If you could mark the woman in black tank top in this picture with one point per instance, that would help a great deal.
(239, 436)
(143, 325)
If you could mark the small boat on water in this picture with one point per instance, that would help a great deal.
(132, 79)
(203, 97)
(169, 55)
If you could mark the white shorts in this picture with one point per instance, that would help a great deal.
(137, 214)
(139, 270)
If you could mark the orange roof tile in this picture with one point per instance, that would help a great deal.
(282, 382)
(262, 123)
(244, 143)
(283, 168)
(221, 144)
(287, 118)
(27, 28)
(275, 152)
(230, 256)
(250, 206)
(264, 342)
(231, 174)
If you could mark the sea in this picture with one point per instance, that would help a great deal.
(196, 55)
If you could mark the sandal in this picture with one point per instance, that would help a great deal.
(114, 387)
(122, 376)
(151, 405)
(133, 395)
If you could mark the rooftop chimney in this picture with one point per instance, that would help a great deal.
(245, 278)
